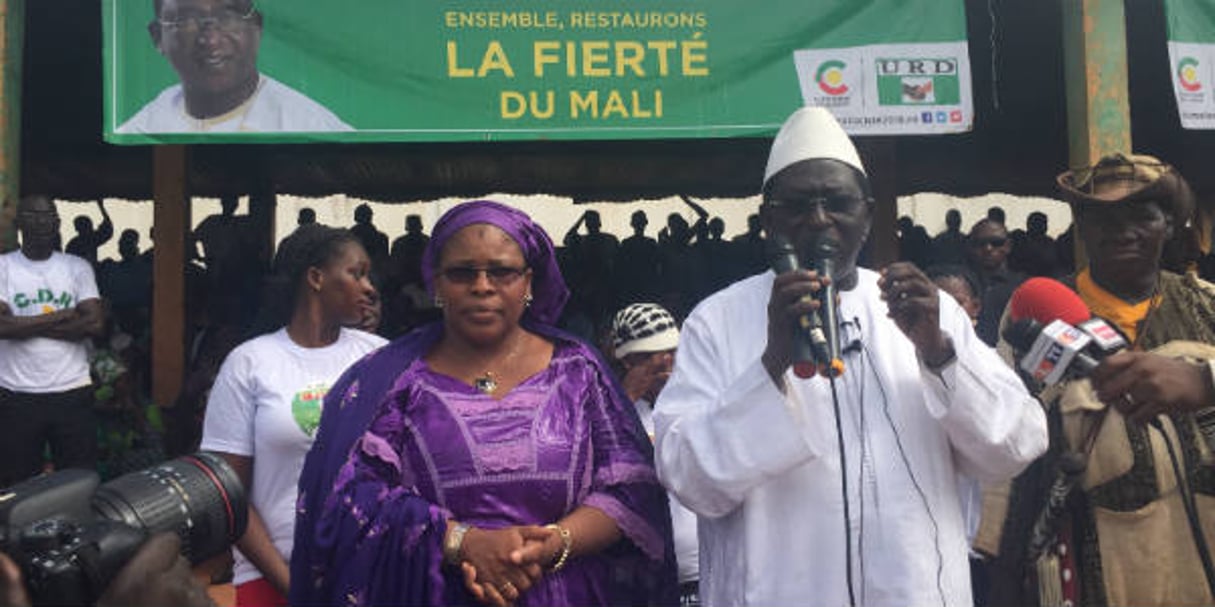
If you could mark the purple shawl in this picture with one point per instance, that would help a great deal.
(549, 292)
(365, 535)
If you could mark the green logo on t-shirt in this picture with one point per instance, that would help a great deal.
(306, 407)
(45, 298)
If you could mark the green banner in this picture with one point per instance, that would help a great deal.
(462, 70)
(1191, 30)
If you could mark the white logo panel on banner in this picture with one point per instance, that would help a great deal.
(1190, 67)
(891, 89)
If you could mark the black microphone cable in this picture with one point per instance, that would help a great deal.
(915, 483)
(839, 434)
(1191, 507)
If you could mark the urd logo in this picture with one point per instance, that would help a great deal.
(928, 81)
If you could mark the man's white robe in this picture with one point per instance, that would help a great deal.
(761, 468)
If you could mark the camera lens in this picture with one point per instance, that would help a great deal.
(198, 496)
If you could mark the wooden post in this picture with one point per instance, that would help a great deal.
(263, 215)
(881, 163)
(170, 225)
(1095, 78)
(12, 41)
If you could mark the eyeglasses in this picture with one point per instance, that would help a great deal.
(499, 276)
(834, 205)
(994, 243)
(224, 21)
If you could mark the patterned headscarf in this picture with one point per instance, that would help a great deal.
(549, 292)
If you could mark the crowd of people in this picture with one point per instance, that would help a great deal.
(478, 416)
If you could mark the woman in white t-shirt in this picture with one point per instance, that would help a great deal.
(266, 402)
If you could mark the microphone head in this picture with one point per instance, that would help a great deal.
(1045, 300)
(823, 250)
(1106, 337)
(805, 369)
(825, 247)
(778, 243)
(781, 254)
(1021, 334)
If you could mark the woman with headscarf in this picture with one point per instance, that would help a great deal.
(265, 403)
(487, 457)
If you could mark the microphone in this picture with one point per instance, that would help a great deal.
(812, 353)
(1053, 329)
(1059, 350)
(1053, 351)
(825, 250)
(1044, 300)
(784, 260)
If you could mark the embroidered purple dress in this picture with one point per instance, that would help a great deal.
(402, 449)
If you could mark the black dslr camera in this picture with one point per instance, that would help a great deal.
(71, 536)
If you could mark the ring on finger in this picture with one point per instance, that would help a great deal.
(508, 588)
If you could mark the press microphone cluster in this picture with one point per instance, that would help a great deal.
(1054, 333)
(1072, 344)
(816, 347)
(1055, 338)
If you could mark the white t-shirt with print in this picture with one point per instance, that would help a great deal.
(266, 404)
(42, 365)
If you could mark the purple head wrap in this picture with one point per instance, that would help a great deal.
(549, 292)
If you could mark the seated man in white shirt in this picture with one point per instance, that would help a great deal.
(212, 45)
(796, 504)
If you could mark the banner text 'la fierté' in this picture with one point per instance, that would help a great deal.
(645, 61)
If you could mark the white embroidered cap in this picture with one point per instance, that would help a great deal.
(643, 327)
(811, 132)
